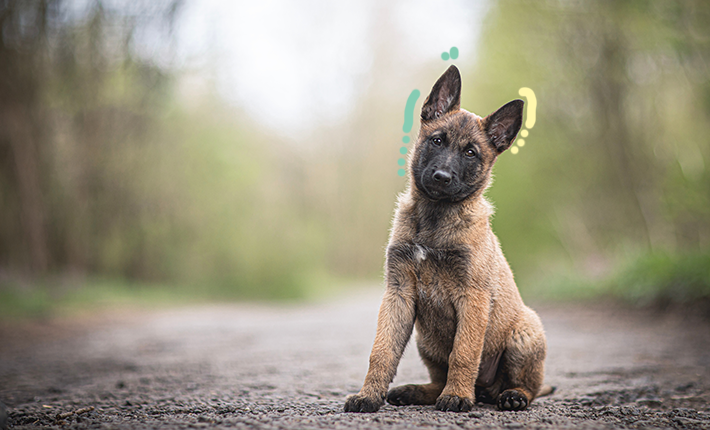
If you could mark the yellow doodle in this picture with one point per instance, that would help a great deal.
(530, 121)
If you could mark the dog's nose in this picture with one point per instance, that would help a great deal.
(442, 177)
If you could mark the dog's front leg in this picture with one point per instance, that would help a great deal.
(465, 358)
(394, 327)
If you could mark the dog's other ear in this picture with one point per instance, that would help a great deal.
(445, 96)
(503, 125)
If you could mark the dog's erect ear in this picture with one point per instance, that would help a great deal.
(503, 125)
(445, 96)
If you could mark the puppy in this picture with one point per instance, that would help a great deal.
(446, 274)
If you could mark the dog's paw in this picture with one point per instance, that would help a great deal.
(483, 396)
(454, 403)
(413, 394)
(403, 395)
(512, 400)
(361, 403)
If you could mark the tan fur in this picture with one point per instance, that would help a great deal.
(446, 274)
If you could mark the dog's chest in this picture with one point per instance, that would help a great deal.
(441, 269)
(441, 275)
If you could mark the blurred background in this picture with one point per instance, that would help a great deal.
(215, 149)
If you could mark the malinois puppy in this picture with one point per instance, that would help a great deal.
(446, 274)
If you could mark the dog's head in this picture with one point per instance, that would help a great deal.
(456, 149)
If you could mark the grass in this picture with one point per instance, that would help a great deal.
(50, 298)
(62, 297)
(656, 279)
(653, 279)
(663, 279)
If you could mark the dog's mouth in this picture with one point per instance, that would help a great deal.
(454, 192)
(441, 195)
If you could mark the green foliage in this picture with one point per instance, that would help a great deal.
(662, 278)
(132, 181)
(72, 296)
(55, 297)
(220, 215)
(657, 279)
(110, 169)
(617, 162)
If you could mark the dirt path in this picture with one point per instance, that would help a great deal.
(290, 367)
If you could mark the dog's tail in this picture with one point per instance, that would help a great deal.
(546, 390)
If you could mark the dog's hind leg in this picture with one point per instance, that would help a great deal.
(523, 365)
(421, 394)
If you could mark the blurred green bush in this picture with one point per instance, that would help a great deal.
(110, 169)
(616, 165)
(663, 279)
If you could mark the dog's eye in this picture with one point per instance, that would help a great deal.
(436, 141)
(470, 152)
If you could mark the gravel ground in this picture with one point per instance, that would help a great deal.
(291, 366)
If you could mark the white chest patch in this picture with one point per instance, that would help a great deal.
(419, 254)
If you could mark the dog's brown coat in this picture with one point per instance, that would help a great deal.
(446, 274)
